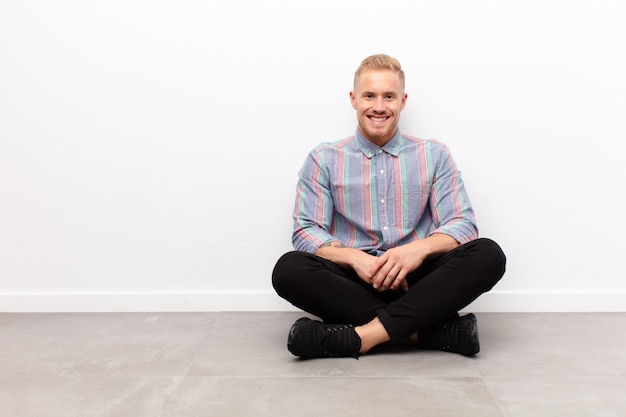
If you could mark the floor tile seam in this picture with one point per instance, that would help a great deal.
(92, 375)
(354, 377)
(550, 374)
(553, 376)
(171, 396)
(173, 393)
(200, 345)
(493, 398)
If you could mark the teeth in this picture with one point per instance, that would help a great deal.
(378, 119)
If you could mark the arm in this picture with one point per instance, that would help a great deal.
(313, 216)
(389, 270)
(362, 263)
(449, 202)
(313, 210)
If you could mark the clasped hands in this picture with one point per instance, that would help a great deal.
(389, 271)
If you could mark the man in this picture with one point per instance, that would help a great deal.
(386, 242)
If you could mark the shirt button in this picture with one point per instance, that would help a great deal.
(385, 228)
(380, 151)
(382, 171)
(382, 200)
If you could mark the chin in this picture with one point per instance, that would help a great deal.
(379, 134)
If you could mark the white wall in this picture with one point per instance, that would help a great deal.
(149, 150)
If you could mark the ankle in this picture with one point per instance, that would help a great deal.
(371, 334)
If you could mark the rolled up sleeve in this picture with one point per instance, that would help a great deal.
(449, 202)
(313, 209)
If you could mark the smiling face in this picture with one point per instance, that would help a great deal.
(378, 98)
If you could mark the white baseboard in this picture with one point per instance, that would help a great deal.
(269, 301)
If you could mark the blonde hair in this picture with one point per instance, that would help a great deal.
(380, 62)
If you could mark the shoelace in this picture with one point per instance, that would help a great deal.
(451, 336)
(341, 340)
(448, 336)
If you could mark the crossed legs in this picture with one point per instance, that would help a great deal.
(437, 290)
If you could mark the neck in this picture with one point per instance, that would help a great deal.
(378, 140)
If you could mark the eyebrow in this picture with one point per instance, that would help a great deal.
(387, 93)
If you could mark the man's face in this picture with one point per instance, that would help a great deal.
(378, 98)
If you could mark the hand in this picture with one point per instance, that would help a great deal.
(362, 263)
(391, 269)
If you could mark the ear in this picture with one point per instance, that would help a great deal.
(353, 100)
(404, 97)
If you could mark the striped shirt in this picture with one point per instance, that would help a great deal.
(375, 198)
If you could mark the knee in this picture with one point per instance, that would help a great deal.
(285, 270)
(492, 253)
(492, 259)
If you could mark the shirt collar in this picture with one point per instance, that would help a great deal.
(369, 149)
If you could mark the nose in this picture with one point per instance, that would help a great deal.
(379, 105)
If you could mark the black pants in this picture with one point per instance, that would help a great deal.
(437, 290)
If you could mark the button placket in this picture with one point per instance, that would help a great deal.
(382, 187)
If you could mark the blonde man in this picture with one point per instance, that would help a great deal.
(386, 243)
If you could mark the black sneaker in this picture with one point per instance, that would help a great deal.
(458, 335)
(313, 339)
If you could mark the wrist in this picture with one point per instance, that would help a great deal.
(438, 244)
(336, 252)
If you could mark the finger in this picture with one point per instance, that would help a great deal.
(400, 281)
(390, 278)
(376, 266)
(381, 275)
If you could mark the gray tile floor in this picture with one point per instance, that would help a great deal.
(237, 364)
